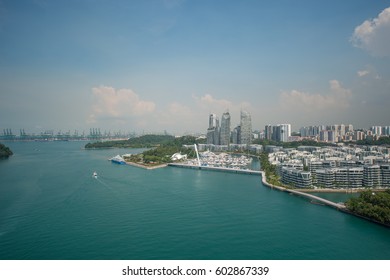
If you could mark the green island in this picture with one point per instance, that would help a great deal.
(371, 205)
(5, 152)
(161, 148)
(145, 141)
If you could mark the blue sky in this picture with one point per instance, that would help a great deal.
(166, 64)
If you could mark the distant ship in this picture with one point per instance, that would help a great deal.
(118, 159)
(94, 175)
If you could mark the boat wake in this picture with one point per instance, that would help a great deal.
(103, 183)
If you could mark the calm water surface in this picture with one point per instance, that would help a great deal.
(52, 208)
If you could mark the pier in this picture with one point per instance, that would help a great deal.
(212, 168)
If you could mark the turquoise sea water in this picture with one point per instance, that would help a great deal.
(52, 208)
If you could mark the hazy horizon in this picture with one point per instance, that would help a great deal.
(167, 64)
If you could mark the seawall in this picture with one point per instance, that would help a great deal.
(221, 169)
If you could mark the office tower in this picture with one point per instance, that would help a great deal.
(225, 129)
(246, 128)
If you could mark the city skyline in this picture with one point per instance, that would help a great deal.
(165, 65)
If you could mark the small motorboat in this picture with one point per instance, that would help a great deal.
(94, 175)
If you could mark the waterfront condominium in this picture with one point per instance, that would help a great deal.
(225, 129)
(246, 128)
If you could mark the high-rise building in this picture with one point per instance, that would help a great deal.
(268, 132)
(332, 135)
(236, 135)
(324, 135)
(246, 128)
(276, 133)
(213, 130)
(285, 132)
(213, 120)
(377, 130)
(341, 131)
(225, 129)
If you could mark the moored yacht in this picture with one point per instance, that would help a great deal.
(118, 159)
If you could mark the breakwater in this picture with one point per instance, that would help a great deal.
(212, 168)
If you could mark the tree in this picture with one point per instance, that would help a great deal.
(5, 152)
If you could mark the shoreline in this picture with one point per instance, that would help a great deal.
(338, 190)
(332, 204)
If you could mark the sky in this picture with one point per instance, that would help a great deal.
(165, 65)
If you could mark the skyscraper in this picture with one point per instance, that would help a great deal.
(246, 128)
(225, 129)
(213, 130)
(236, 135)
(285, 132)
(268, 132)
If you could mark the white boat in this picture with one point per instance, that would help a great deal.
(118, 159)
(94, 175)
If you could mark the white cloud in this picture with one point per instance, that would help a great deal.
(109, 103)
(369, 73)
(373, 35)
(212, 105)
(363, 73)
(337, 97)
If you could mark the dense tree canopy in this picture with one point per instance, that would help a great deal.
(383, 140)
(372, 205)
(145, 141)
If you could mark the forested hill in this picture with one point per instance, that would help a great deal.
(5, 152)
(147, 141)
(137, 142)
